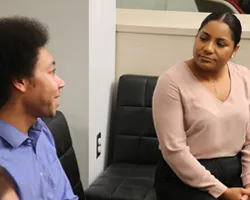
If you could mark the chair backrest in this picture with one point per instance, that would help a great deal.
(133, 136)
(60, 131)
(230, 6)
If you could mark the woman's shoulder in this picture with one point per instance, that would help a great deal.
(241, 75)
(175, 72)
(178, 75)
(240, 70)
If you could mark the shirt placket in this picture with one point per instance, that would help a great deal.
(45, 181)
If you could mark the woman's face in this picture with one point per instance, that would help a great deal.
(214, 46)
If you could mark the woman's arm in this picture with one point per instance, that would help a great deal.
(245, 159)
(168, 120)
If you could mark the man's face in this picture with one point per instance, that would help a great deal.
(43, 90)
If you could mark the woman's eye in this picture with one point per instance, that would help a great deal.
(203, 38)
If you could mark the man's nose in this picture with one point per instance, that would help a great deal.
(61, 83)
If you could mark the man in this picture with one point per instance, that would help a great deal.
(29, 89)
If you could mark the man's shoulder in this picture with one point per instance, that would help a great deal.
(4, 147)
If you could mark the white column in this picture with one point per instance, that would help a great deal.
(102, 33)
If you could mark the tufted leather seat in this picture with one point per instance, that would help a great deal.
(134, 147)
(60, 130)
(232, 6)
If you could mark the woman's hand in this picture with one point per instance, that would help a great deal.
(235, 194)
(245, 196)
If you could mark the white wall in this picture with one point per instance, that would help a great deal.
(151, 45)
(174, 5)
(181, 5)
(142, 4)
(83, 45)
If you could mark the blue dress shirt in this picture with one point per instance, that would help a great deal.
(33, 163)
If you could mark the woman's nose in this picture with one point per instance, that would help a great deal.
(209, 48)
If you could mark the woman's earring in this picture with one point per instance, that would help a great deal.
(232, 58)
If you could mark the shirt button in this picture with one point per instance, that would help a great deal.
(28, 142)
(41, 174)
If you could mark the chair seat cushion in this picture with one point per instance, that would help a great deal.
(124, 182)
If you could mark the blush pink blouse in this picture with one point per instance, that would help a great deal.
(191, 123)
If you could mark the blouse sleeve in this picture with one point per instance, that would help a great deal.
(245, 159)
(169, 125)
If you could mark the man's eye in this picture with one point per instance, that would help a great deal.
(53, 71)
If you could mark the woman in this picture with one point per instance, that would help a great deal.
(201, 116)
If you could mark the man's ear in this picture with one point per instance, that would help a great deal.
(20, 84)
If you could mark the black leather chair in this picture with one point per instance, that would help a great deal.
(230, 6)
(134, 147)
(60, 130)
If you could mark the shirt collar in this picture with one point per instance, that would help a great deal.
(15, 137)
(38, 126)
